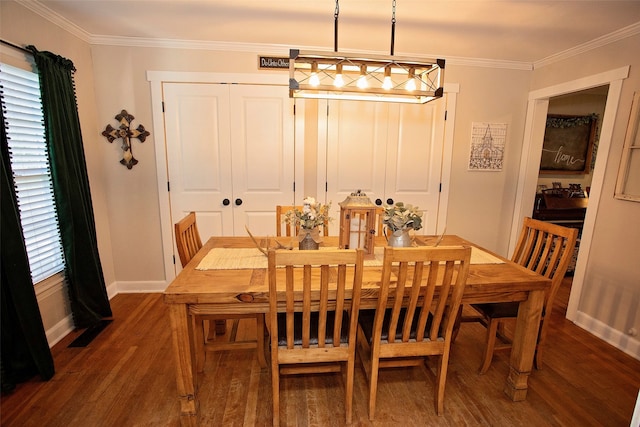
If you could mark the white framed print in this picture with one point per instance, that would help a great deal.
(487, 146)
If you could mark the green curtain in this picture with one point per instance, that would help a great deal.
(24, 348)
(87, 290)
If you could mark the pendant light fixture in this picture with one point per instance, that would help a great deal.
(326, 75)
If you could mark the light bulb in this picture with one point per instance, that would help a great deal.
(387, 83)
(338, 81)
(411, 83)
(314, 80)
(362, 81)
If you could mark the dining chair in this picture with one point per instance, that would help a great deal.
(189, 243)
(288, 229)
(314, 298)
(420, 291)
(547, 249)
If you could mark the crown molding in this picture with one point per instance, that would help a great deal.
(65, 24)
(613, 37)
(277, 49)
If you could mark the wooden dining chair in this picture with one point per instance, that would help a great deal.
(420, 292)
(314, 298)
(289, 229)
(189, 243)
(547, 249)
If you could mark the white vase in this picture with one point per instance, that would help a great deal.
(398, 238)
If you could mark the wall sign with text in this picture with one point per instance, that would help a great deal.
(568, 144)
(273, 62)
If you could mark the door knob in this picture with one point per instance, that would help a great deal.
(390, 201)
(238, 202)
(226, 202)
(378, 202)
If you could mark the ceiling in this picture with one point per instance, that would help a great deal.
(508, 30)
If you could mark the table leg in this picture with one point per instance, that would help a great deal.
(524, 345)
(185, 374)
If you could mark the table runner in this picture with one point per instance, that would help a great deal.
(252, 258)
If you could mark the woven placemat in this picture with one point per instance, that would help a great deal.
(252, 258)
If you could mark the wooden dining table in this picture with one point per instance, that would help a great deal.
(202, 288)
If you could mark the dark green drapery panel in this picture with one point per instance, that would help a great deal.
(25, 351)
(87, 290)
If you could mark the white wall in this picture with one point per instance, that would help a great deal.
(608, 300)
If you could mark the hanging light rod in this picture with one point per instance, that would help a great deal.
(324, 75)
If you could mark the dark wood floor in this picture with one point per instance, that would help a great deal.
(125, 377)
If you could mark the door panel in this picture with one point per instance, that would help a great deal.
(414, 160)
(389, 151)
(356, 152)
(198, 154)
(263, 155)
(230, 155)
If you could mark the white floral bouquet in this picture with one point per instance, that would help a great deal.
(311, 216)
(402, 217)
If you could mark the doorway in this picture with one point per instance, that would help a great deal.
(578, 110)
(537, 109)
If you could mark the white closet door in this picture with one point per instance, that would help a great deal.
(199, 155)
(356, 151)
(230, 155)
(414, 158)
(392, 152)
(262, 146)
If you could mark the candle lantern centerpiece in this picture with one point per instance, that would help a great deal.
(358, 223)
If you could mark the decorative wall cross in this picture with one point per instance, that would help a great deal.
(125, 132)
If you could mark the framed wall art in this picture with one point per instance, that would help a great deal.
(487, 146)
(568, 144)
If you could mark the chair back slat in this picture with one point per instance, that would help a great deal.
(285, 229)
(547, 249)
(187, 238)
(415, 306)
(315, 285)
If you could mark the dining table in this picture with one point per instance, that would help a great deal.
(228, 275)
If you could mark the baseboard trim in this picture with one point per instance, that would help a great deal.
(626, 343)
(60, 330)
(138, 287)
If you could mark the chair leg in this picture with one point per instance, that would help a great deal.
(542, 335)
(456, 325)
(275, 390)
(348, 395)
(373, 387)
(441, 381)
(260, 337)
(492, 330)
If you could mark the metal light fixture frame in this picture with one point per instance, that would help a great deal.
(428, 77)
(324, 67)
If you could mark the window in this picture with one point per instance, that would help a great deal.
(22, 109)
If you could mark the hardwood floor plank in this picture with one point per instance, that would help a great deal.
(126, 377)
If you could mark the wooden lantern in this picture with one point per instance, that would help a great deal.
(358, 223)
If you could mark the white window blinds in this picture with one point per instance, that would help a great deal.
(23, 121)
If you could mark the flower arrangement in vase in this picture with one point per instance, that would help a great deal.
(399, 219)
(307, 220)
